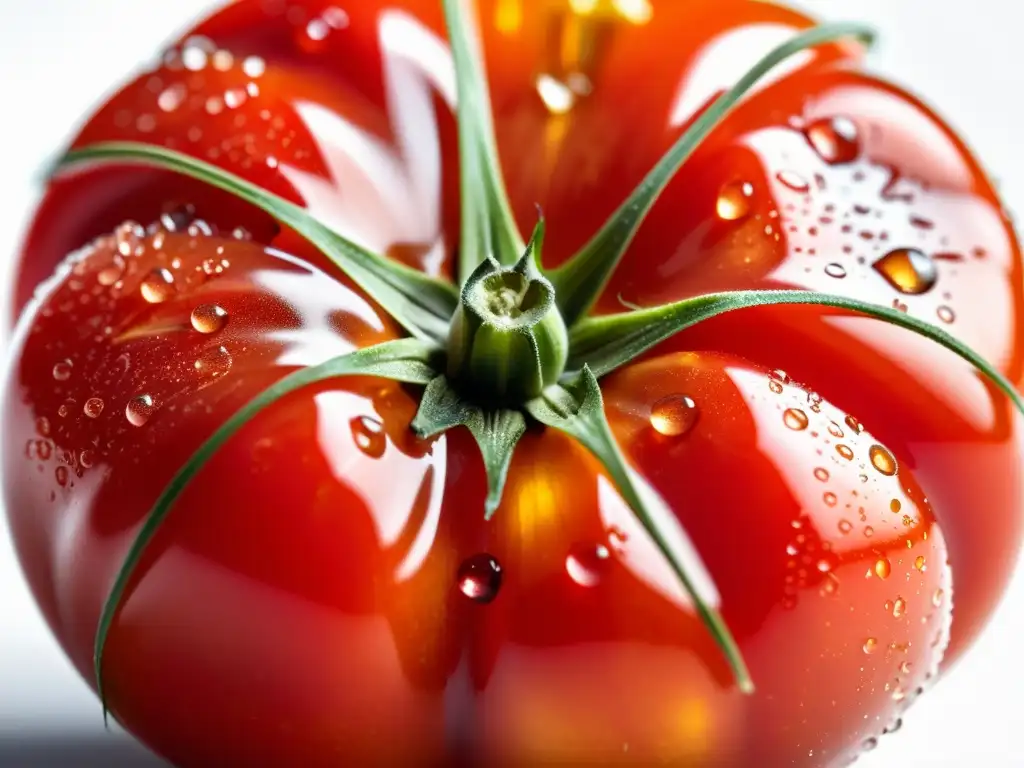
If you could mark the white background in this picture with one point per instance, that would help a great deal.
(58, 57)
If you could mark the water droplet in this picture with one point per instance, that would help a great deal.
(898, 693)
(194, 55)
(882, 460)
(793, 180)
(234, 98)
(845, 451)
(835, 430)
(937, 597)
(908, 270)
(43, 426)
(158, 286)
(946, 314)
(587, 563)
(899, 608)
(870, 645)
(795, 419)
(855, 425)
(830, 499)
(919, 563)
(93, 407)
(209, 318)
(869, 744)
(254, 66)
(895, 505)
(62, 370)
(835, 270)
(868, 531)
(139, 409)
(883, 568)
(834, 139)
(61, 475)
(845, 526)
(734, 200)
(172, 98)
(896, 724)
(215, 361)
(674, 416)
(821, 474)
(87, 459)
(775, 386)
(369, 436)
(479, 578)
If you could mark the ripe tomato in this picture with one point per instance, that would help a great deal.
(327, 590)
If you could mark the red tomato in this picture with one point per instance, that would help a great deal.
(327, 592)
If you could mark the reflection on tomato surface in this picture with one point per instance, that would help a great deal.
(327, 588)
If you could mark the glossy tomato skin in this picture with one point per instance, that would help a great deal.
(306, 602)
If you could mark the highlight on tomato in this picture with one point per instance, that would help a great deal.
(505, 383)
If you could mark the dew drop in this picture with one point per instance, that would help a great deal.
(835, 430)
(62, 370)
(479, 578)
(674, 415)
(908, 270)
(795, 419)
(172, 98)
(899, 608)
(834, 139)
(87, 459)
(111, 273)
(895, 506)
(830, 499)
(855, 425)
(793, 181)
(158, 286)
(734, 200)
(883, 568)
(870, 645)
(586, 564)
(215, 361)
(919, 563)
(43, 426)
(139, 410)
(845, 451)
(821, 474)
(209, 318)
(937, 597)
(254, 66)
(93, 407)
(945, 314)
(868, 531)
(836, 270)
(869, 744)
(845, 526)
(61, 475)
(882, 460)
(368, 434)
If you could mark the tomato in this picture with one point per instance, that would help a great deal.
(327, 590)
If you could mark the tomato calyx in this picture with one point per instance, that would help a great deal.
(511, 343)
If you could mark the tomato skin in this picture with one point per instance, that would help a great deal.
(301, 604)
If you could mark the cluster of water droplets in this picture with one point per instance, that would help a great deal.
(862, 493)
(101, 291)
(855, 220)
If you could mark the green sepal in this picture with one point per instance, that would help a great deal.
(496, 432)
(421, 304)
(488, 227)
(407, 360)
(610, 341)
(580, 281)
(576, 408)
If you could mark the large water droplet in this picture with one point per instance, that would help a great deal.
(139, 409)
(674, 416)
(369, 436)
(882, 460)
(834, 139)
(215, 361)
(908, 270)
(734, 200)
(93, 407)
(479, 578)
(158, 286)
(883, 568)
(586, 564)
(209, 318)
(795, 419)
(62, 370)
